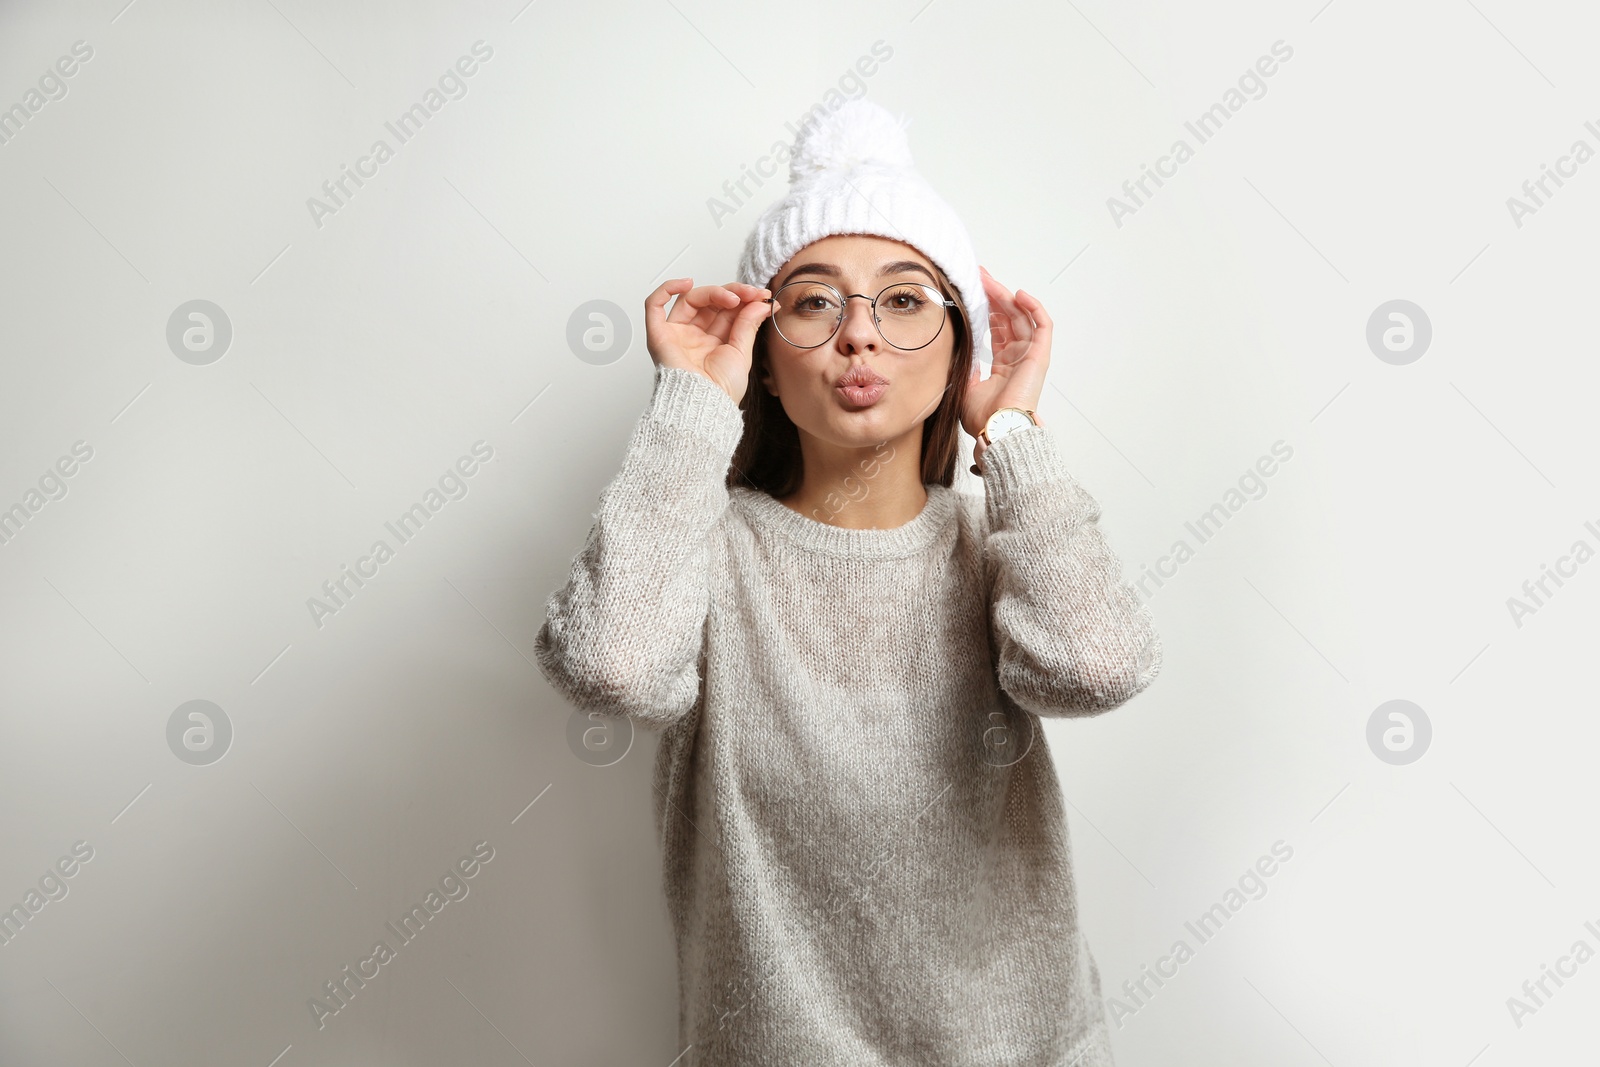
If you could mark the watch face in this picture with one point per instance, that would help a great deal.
(1006, 420)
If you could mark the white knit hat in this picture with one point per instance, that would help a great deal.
(851, 172)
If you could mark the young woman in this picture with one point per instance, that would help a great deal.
(865, 845)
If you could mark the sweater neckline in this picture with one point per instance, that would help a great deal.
(769, 513)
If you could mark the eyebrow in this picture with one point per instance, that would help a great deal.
(899, 266)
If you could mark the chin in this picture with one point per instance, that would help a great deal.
(863, 429)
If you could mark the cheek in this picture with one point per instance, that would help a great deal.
(801, 386)
(786, 374)
(927, 379)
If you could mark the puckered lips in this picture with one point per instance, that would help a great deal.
(860, 387)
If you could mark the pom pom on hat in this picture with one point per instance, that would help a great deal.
(859, 134)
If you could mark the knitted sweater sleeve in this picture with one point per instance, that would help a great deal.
(1070, 637)
(625, 634)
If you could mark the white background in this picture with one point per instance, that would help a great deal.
(1227, 313)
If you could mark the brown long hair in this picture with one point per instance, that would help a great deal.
(768, 456)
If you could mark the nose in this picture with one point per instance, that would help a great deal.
(858, 333)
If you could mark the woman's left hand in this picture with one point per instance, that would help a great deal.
(1020, 331)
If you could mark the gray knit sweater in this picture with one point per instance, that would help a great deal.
(865, 847)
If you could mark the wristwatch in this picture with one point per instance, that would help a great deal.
(1001, 423)
(1005, 421)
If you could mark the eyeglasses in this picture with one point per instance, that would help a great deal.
(908, 315)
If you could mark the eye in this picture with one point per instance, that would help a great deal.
(812, 301)
(904, 299)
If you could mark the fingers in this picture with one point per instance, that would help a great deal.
(1013, 323)
(655, 304)
(690, 304)
(1023, 314)
(1042, 322)
(742, 334)
(702, 298)
(724, 318)
(715, 309)
(997, 293)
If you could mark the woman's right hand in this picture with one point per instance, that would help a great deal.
(710, 330)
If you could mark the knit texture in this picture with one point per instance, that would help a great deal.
(866, 856)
